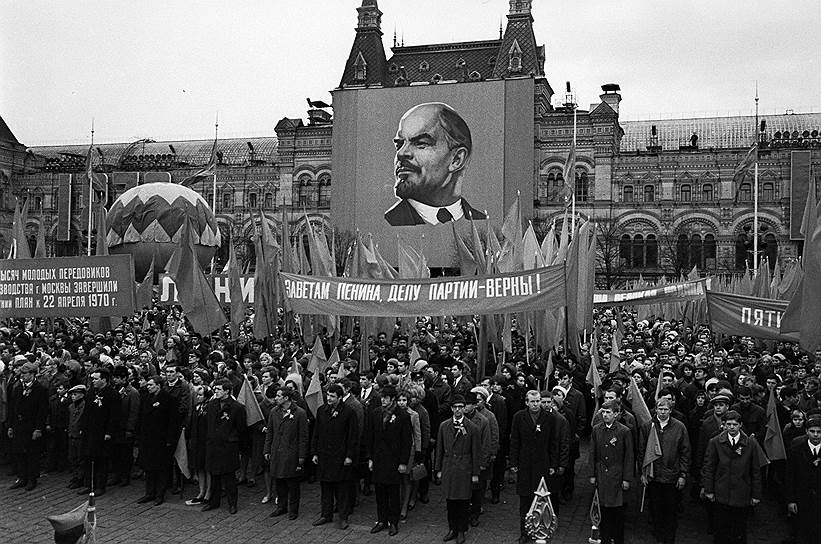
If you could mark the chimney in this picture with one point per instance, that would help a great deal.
(611, 95)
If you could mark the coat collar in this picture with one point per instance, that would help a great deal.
(724, 438)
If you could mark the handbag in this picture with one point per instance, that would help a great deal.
(418, 472)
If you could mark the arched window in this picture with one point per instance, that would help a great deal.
(743, 245)
(651, 252)
(582, 187)
(745, 192)
(638, 251)
(768, 192)
(305, 191)
(649, 193)
(686, 193)
(696, 251)
(269, 200)
(625, 251)
(543, 189)
(227, 200)
(252, 200)
(627, 193)
(325, 191)
(556, 186)
(707, 192)
(709, 251)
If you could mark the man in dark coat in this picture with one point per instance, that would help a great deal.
(457, 465)
(124, 440)
(334, 445)
(669, 471)
(534, 452)
(803, 485)
(711, 427)
(27, 412)
(731, 477)
(286, 448)
(498, 405)
(157, 439)
(388, 445)
(226, 423)
(574, 408)
(612, 464)
(101, 423)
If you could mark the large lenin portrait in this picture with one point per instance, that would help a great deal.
(433, 149)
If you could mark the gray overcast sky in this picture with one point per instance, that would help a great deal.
(162, 69)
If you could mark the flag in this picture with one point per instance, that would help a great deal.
(265, 281)
(145, 289)
(652, 451)
(196, 294)
(743, 168)
(101, 245)
(414, 355)
(467, 261)
(512, 232)
(210, 168)
(478, 251)
(67, 526)
(158, 343)
(40, 248)
(802, 313)
(638, 405)
(181, 455)
(20, 245)
(246, 397)
(332, 360)
(615, 344)
(593, 377)
(235, 291)
(313, 396)
(564, 240)
(548, 370)
(809, 219)
(569, 172)
(572, 310)
(773, 440)
(531, 252)
(318, 359)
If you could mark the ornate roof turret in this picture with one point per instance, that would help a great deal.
(519, 54)
(366, 62)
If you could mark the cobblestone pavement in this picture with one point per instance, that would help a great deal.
(121, 520)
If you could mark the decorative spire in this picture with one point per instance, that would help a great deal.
(520, 7)
(370, 18)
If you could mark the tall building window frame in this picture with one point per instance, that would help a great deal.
(627, 193)
(649, 193)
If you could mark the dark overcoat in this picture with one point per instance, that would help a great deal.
(733, 474)
(286, 440)
(336, 437)
(388, 445)
(101, 417)
(458, 457)
(157, 432)
(226, 423)
(28, 411)
(534, 449)
(612, 461)
(803, 487)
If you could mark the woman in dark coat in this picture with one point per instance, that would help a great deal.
(389, 441)
(196, 444)
(285, 449)
(157, 440)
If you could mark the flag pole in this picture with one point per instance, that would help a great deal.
(90, 191)
(755, 187)
(573, 198)
(214, 185)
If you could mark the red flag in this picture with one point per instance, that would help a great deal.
(40, 248)
(265, 282)
(810, 218)
(615, 358)
(773, 440)
(145, 289)
(332, 360)
(512, 231)
(210, 168)
(467, 261)
(640, 409)
(235, 291)
(246, 397)
(318, 360)
(569, 173)
(196, 295)
(743, 167)
(593, 377)
(181, 455)
(652, 452)
(20, 245)
(313, 396)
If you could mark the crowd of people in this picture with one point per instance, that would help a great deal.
(152, 399)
